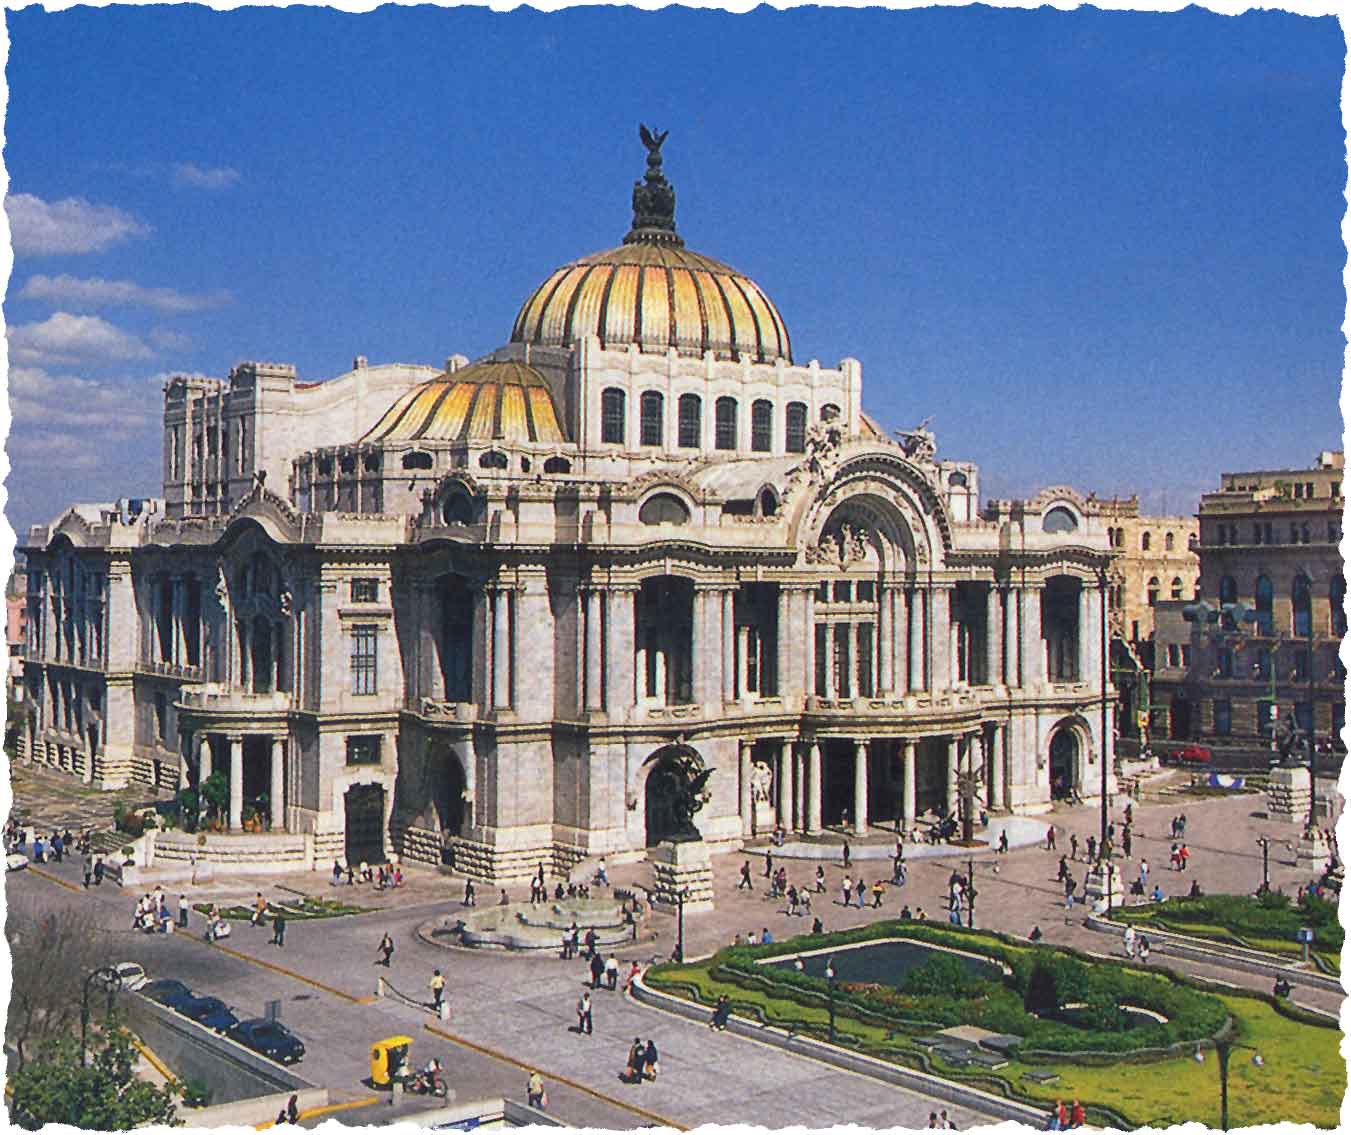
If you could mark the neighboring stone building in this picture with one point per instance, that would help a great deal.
(465, 612)
(16, 626)
(1269, 539)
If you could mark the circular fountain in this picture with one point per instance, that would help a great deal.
(533, 926)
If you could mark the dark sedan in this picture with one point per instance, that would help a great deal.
(167, 991)
(270, 1038)
(209, 1011)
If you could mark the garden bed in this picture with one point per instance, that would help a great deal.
(1055, 1059)
(301, 910)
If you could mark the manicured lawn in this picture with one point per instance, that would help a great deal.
(1303, 1077)
(301, 909)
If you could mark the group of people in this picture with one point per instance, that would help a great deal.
(1137, 944)
(1064, 1118)
(152, 913)
(57, 845)
(383, 875)
(940, 1121)
(642, 1064)
(259, 918)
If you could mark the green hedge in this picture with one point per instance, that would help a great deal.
(1001, 1006)
(1271, 915)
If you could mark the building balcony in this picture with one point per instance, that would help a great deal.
(171, 670)
(211, 697)
(435, 709)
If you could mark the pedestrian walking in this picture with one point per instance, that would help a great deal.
(1077, 1117)
(597, 970)
(259, 910)
(1126, 841)
(337, 873)
(898, 871)
(860, 889)
(769, 864)
(1074, 846)
(1004, 841)
(98, 870)
(804, 899)
(437, 985)
(351, 876)
(745, 884)
(847, 891)
(1050, 838)
(633, 1070)
(1142, 949)
(88, 870)
(1128, 938)
(650, 1065)
(879, 889)
(820, 879)
(612, 972)
(1069, 892)
(534, 1092)
(584, 1014)
(635, 972)
(293, 1109)
(1182, 856)
(1062, 872)
(846, 856)
(469, 897)
(386, 949)
(279, 929)
(1092, 848)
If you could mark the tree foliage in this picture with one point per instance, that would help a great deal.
(104, 1096)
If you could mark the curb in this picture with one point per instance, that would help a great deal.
(930, 1086)
(1166, 942)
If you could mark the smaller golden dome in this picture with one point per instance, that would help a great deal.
(508, 401)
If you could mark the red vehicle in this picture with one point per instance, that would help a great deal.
(1193, 754)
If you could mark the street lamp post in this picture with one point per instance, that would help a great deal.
(112, 982)
(680, 897)
(970, 894)
(830, 996)
(1223, 1047)
(1104, 662)
(1265, 844)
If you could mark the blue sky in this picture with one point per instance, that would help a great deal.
(1100, 248)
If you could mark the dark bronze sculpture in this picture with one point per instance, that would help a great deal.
(677, 789)
(653, 197)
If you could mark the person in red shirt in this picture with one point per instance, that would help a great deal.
(1077, 1117)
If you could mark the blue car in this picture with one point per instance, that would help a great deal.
(269, 1038)
(209, 1011)
(168, 992)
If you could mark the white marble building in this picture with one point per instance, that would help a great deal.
(461, 612)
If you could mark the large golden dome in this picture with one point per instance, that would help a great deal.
(654, 292)
(486, 400)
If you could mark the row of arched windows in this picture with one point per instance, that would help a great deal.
(1154, 586)
(1301, 603)
(1116, 537)
(690, 421)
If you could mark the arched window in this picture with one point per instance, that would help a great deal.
(458, 508)
(689, 425)
(1167, 541)
(1337, 601)
(725, 424)
(830, 412)
(958, 480)
(612, 416)
(417, 460)
(1301, 605)
(1152, 592)
(493, 460)
(769, 502)
(1059, 519)
(1145, 540)
(651, 406)
(1176, 591)
(795, 427)
(1265, 596)
(1228, 589)
(664, 508)
(557, 465)
(762, 425)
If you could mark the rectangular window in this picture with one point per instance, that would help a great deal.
(1186, 654)
(823, 591)
(364, 750)
(1302, 666)
(866, 590)
(1224, 717)
(689, 422)
(365, 591)
(650, 427)
(724, 423)
(612, 417)
(762, 426)
(843, 588)
(364, 659)
(844, 669)
(795, 427)
(1304, 717)
(865, 660)
(821, 631)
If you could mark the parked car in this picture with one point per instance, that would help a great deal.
(167, 991)
(209, 1011)
(1194, 754)
(270, 1038)
(132, 975)
(14, 861)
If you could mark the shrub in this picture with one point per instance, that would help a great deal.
(196, 1094)
(943, 975)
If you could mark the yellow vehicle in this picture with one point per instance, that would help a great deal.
(389, 1060)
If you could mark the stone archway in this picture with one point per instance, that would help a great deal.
(1064, 760)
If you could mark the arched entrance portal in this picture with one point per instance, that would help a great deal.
(1180, 718)
(450, 802)
(1064, 764)
(673, 793)
(365, 808)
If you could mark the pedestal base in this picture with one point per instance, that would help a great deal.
(678, 867)
(1313, 849)
(1288, 794)
(1104, 884)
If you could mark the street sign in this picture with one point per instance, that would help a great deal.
(1304, 934)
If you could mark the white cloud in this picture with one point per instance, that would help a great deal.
(202, 177)
(89, 293)
(47, 406)
(166, 339)
(64, 338)
(71, 225)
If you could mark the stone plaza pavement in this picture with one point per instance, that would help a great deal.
(510, 1012)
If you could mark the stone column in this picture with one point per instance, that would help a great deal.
(728, 645)
(959, 645)
(809, 643)
(975, 761)
(1085, 635)
(595, 700)
(743, 661)
(179, 622)
(203, 742)
(799, 789)
(502, 649)
(1031, 647)
(994, 635)
(915, 636)
(885, 629)
(950, 784)
(908, 798)
(832, 686)
(998, 793)
(747, 802)
(940, 639)
(1011, 677)
(784, 683)
(277, 793)
(900, 616)
(814, 788)
(620, 653)
(784, 797)
(699, 642)
(861, 788)
(236, 817)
